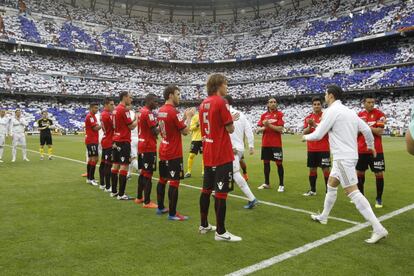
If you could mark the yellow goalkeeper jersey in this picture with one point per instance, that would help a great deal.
(195, 128)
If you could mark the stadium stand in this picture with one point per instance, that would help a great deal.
(162, 41)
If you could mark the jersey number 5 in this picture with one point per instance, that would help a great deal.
(206, 122)
(163, 132)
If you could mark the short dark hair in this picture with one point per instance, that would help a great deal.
(335, 90)
(92, 105)
(107, 100)
(229, 99)
(214, 82)
(150, 97)
(272, 98)
(43, 111)
(316, 99)
(123, 94)
(368, 96)
(170, 89)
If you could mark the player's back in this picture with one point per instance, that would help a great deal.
(214, 116)
(147, 140)
(171, 123)
(107, 128)
(121, 120)
(344, 131)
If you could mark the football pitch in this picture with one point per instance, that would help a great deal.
(53, 223)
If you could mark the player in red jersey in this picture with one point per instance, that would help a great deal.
(271, 125)
(376, 121)
(92, 142)
(147, 148)
(121, 148)
(172, 125)
(106, 145)
(216, 123)
(318, 151)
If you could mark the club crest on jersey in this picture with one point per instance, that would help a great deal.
(146, 165)
(180, 116)
(91, 119)
(172, 173)
(151, 117)
(220, 185)
(122, 159)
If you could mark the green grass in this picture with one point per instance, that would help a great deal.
(52, 223)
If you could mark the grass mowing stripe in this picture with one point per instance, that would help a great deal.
(307, 247)
(231, 195)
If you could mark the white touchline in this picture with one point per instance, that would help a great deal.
(231, 195)
(307, 247)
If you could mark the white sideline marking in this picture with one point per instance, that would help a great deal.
(307, 247)
(231, 195)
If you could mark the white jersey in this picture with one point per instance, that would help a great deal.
(100, 132)
(18, 126)
(242, 128)
(134, 132)
(4, 125)
(343, 126)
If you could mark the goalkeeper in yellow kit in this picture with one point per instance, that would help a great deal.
(196, 145)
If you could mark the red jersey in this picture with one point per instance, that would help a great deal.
(171, 123)
(147, 142)
(270, 137)
(376, 119)
(121, 121)
(107, 128)
(91, 136)
(214, 116)
(316, 146)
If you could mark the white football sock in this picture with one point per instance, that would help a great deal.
(135, 164)
(1, 152)
(24, 151)
(329, 203)
(14, 150)
(241, 182)
(365, 209)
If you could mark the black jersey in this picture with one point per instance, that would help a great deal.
(43, 125)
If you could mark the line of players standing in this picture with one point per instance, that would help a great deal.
(217, 123)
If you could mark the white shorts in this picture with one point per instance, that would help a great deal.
(134, 147)
(2, 139)
(19, 139)
(236, 161)
(345, 172)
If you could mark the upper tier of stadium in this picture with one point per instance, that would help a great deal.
(52, 24)
(388, 65)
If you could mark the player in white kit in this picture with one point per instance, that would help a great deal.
(4, 131)
(18, 126)
(242, 128)
(343, 126)
(134, 147)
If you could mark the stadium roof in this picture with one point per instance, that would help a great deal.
(199, 4)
